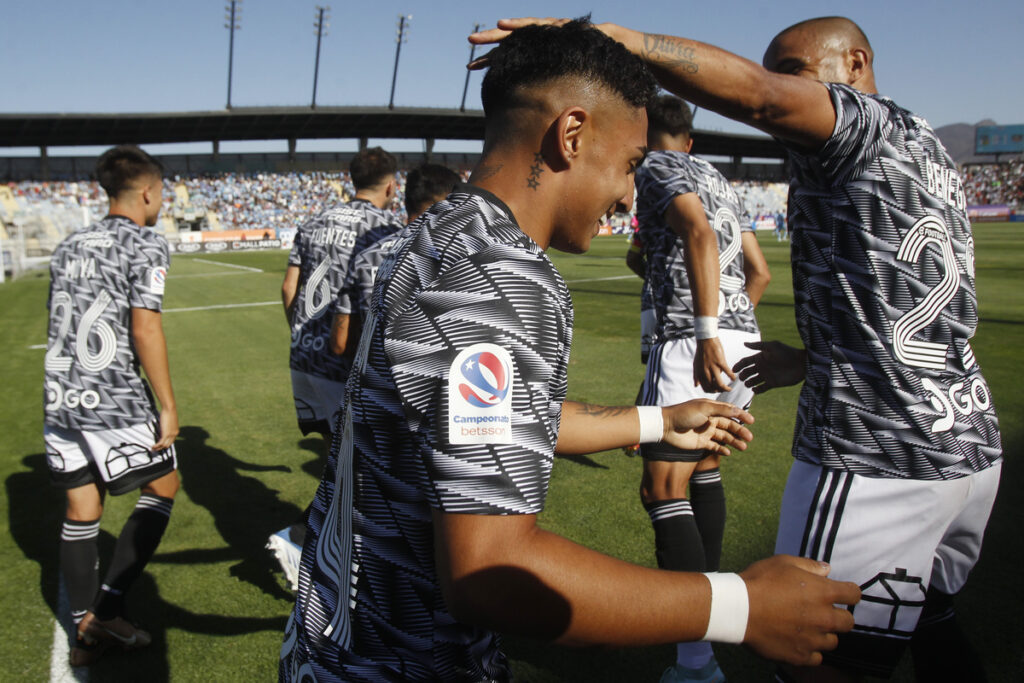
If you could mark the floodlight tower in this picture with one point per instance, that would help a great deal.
(472, 53)
(403, 27)
(234, 22)
(321, 26)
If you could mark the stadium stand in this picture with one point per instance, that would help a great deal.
(1001, 183)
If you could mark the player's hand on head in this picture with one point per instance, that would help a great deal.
(168, 429)
(703, 424)
(709, 364)
(795, 611)
(505, 27)
(775, 365)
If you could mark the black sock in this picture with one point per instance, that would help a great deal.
(79, 563)
(676, 539)
(940, 650)
(135, 546)
(707, 497)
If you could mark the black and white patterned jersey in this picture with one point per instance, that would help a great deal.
(662, 177)
(323, 250)
(453, 405)
(883, 271)
(97, 275)
(355, 294)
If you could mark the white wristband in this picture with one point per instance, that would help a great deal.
(705, 327)
(652, 425)
(730, 608)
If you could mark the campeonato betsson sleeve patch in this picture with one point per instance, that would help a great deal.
(480, 396)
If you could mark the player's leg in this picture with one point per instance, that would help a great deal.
(707, 493)
(881, 534)
(128, 464)
(663, 491)
(70, 469)
(939, 646)
(707, 498)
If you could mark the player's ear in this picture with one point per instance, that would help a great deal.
(569, 128)
(858, 61)
(689, 145)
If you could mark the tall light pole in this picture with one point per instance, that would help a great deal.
(403, 23)
(321, 31)
(472, 52)
(234, 22)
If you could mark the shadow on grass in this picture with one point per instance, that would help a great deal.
(36, 511)
(245, 511)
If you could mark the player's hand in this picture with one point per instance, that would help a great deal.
(708, 365)
(703, 424)
(168, 429)
(506, 26)
(777, 365)
(793, 613)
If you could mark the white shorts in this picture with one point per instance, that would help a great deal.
(892, 537)
(119, 458)
(669, 380)
(316, 401)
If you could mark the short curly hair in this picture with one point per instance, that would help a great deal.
(669, 114)
(534, 55)
(119, 167)
(371, 167)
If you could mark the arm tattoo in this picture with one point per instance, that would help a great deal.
(669, 52)
(533, 182)
(605, 411)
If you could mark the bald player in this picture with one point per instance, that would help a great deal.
(423, 542)
(897, 445)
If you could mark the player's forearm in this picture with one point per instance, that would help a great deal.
(586, 428)
(542, 585)
(151, 347)
(289, 289)
(732, 86)
(757, 280)
(701, 256)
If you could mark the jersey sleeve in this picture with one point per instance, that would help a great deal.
(147, 272)
(477, 360)
(348, 296)
(862, 123)
(661, 179)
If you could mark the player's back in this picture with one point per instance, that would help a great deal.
(883, 261)
(97, 275)
(664, 175)
(323, 250)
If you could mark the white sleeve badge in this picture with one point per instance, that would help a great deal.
(480, 396)
(157, 280)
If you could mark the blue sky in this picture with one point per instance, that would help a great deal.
(951, 62)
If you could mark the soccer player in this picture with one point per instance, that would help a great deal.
(895, 420)
(425, 185)
(422, 540)
(102, 429)
(706, 274)
(318, 264)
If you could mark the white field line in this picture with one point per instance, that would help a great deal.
(60, 667)
(216, 306)
(224, 274)
(602, 279)
(228, 265)
(42, 347)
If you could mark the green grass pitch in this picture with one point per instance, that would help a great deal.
(211, 597)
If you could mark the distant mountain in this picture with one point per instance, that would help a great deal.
(958, 139)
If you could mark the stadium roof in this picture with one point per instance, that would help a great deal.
(294, 123)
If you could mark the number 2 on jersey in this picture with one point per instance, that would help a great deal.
(915, 352)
